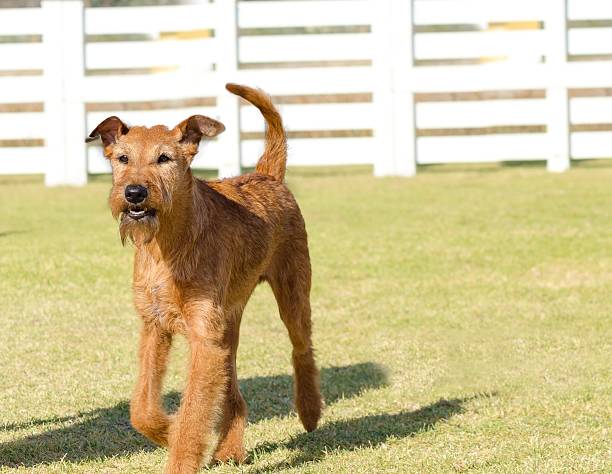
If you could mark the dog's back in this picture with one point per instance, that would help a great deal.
(263, 192)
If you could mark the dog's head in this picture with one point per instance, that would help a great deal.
(150, 170)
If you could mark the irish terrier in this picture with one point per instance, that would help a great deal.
(201, 248)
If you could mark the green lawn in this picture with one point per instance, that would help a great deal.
(462, 322)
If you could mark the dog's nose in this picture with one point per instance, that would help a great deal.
(135, 193)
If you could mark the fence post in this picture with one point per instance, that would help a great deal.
(64, 64)
(394, 129)
(557, 93)
(226, 36)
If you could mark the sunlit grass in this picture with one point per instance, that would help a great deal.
(462, 321)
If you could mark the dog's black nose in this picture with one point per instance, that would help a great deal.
(135, 193)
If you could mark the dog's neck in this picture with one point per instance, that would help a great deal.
(178, 241)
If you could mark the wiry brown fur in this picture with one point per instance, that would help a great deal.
(274, 159)
(198, 259)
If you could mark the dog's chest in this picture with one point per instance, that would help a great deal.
(158, 300)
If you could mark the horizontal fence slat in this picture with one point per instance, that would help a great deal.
(589, 10)
(448, 12)
(586, 75)
(310, 80)
(143, 87)
(15, 90)
(144, 54)
(317, 151)
(265, 14)
(148, 118)
(274, 48)
(481, 113)
(22, 125)
(591, 145)
(482, 149)
(22, 160)
(96, 162)
(590, 41)
(488, 77)
(500, 76)
(21, 21)
(149, 20)
(209, 156)
(591, 110)
(21, 55)
(525, 45)
(314, 117)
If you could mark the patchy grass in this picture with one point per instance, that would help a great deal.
(462, 321)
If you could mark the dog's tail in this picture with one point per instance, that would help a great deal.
(273, 162)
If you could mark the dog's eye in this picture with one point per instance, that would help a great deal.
(163, 158)
(123, 159)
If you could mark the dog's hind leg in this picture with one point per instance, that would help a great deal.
(146, 411)
(289, 277)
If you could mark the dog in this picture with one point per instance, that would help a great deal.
(201, 248)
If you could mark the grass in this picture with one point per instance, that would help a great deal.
(462, 321)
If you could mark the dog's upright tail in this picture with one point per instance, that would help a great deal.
(273, 162)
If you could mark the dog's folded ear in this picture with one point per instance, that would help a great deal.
(109, 130)
(198, 126)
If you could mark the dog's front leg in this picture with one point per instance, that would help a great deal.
(194, 435)
(146, 411)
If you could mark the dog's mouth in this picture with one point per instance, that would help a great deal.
(136, 212)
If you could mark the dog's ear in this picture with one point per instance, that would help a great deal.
(109, 130)
(198, 126)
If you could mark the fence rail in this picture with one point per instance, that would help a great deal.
(391, 83)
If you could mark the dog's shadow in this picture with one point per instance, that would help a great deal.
(106, 432)
(368, 431)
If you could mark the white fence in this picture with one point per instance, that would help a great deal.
(392, 83)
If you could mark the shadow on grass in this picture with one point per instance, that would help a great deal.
(368, 431)
(479, 168)
(8, 233)
(106, 432)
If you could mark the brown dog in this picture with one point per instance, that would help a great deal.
(201, 248)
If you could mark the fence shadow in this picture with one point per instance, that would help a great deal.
(370, 431)
(106, 432)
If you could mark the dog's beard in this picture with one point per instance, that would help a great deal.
(140, 232)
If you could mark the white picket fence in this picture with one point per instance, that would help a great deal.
(391, 83)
